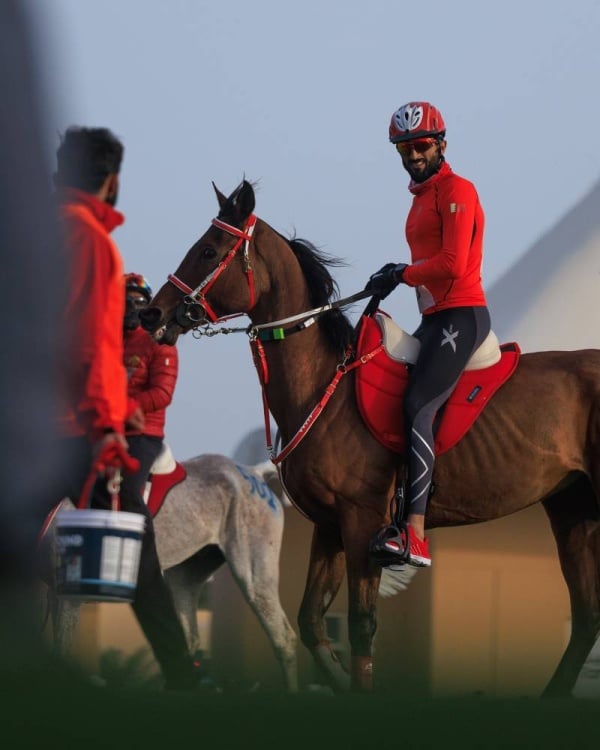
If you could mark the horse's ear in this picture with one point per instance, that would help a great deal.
(247, 199)
(242, 202)
(220, 197)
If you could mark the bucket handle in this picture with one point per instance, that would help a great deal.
(113, 485)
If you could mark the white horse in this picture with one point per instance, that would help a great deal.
(222, 512)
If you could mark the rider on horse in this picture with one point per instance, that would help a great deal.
(444, 231)
(152, 370)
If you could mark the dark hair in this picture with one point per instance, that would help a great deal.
(85, 158)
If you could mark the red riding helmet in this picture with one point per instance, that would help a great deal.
(416, 120)
(139, 284)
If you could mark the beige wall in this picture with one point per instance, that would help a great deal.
(500, 612)
(105, 626)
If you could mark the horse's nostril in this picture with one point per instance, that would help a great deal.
(150, 318)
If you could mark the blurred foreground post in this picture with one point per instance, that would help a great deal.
(31, 293)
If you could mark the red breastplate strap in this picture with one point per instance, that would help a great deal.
(315, 413)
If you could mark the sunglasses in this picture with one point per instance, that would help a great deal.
(420, 145)
(137, 300)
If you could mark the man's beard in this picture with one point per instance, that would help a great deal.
(112, 199)
(131, 320)
(432, 166)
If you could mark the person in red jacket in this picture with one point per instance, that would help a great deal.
(96, 407)
(444, 231)
(152, 370)
(96, 388)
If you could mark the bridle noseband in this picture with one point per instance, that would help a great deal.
(195, 308)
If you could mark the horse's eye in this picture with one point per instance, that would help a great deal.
(208, 253)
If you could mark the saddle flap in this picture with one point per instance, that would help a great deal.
(380, 385)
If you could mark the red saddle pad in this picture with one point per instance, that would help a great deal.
(161, 484)
(381, 382)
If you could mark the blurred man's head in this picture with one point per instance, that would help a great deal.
(89, 159)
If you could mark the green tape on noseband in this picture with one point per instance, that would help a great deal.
(278, 334)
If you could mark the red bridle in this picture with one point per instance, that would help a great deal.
(197, 296)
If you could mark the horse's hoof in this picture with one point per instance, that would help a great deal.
(337, 677)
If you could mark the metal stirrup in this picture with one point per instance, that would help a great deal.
(391, 545)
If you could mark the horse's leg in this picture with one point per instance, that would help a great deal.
(363, 587)
(185, 592)
(186, 581)
(326, 570)
(258, 578)
(64, 616)
(575, 522)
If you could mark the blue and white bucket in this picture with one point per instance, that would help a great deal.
(98, 554)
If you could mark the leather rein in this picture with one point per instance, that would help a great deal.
(195, 299)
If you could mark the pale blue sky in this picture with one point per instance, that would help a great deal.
(298, 97)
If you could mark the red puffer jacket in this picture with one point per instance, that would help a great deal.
(152, 373)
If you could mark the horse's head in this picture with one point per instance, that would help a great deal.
(219, 260)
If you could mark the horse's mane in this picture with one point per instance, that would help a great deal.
(323, 289)
(315, 266)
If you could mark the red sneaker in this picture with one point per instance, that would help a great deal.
(419, 550)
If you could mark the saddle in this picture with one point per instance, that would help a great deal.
(165, 473)
(381, 383)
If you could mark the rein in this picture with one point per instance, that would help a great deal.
(275, 331)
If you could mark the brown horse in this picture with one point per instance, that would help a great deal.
(538, 440)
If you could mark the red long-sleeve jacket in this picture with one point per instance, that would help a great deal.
(152, 370)
(95, 398)
(444, 230)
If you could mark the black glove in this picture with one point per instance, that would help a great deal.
(383, 282)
